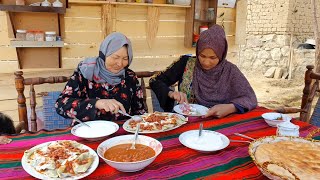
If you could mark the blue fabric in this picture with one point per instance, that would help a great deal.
(240, 109)
(155, 103)
(315, 118)
(51, 119)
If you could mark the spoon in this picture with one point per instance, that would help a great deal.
(200, 129)
(135, 117)
(133, 146)
(81, 122)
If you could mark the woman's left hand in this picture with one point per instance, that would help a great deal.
(221, 110)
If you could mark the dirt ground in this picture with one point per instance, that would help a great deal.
(271, 93)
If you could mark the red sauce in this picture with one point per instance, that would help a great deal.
(123, 153)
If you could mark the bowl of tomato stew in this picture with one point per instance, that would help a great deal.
(116, 152)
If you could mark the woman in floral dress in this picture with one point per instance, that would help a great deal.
(207, 79)
(103, 85)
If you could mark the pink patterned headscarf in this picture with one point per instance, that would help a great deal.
(223, 83)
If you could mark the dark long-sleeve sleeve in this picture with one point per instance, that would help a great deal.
(74, 101)
(161, 83)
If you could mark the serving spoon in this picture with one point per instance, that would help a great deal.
(133, 146)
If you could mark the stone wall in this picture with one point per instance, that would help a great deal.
(270, 26)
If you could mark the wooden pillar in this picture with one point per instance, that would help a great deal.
(306, 91)
(33, 109)
(188, 30)
(153, 17)
(106, 19)
(22, 109)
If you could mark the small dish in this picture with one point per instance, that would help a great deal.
(191, 109)
(273, 119)
(98, 130)
(209, 141)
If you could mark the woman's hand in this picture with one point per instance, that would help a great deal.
(180, 97)
(4, 140)
(110, 105)
(221, 110)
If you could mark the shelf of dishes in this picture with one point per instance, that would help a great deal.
(19, 8)
(36, 35)
(169, 3)
(45, 6)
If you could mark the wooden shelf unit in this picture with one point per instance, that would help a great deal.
(192, 24)
(17, 8)
(33, 54)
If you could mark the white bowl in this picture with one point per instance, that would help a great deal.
(98, 131)
(271, 118)
(129, 166)
(209, 141)
(182, 2)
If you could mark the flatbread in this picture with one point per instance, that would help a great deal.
(302, 158)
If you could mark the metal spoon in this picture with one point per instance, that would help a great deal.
(231, 140)
(200, 129)
(133, 146)
(244, 136)
(135, 117)
(81, 122)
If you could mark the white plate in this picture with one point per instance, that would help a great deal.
(208, 142)
(99, 130)
(127, 127)
(30, 170)
(199, 110)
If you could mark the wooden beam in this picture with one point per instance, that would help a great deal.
(106, 19)
(188, 32)
(152, 25)
(126, 3)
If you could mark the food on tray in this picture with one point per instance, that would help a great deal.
(301, 158)
(156, 121)
(123, 153)
(60, 159)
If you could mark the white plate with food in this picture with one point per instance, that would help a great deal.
(63, 159)
(155, 122)
(98, 130)
(191, 109)
(209, 141)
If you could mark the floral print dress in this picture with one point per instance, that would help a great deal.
(80, 95)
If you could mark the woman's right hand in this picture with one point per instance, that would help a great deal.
(180, 97)
(110, 105)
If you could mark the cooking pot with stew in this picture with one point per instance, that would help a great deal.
(116, 152)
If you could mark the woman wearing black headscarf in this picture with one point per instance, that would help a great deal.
(207, 79)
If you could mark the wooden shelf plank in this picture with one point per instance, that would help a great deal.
(203, 21)
(125, 3)
(17, 8)
(39, 44)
